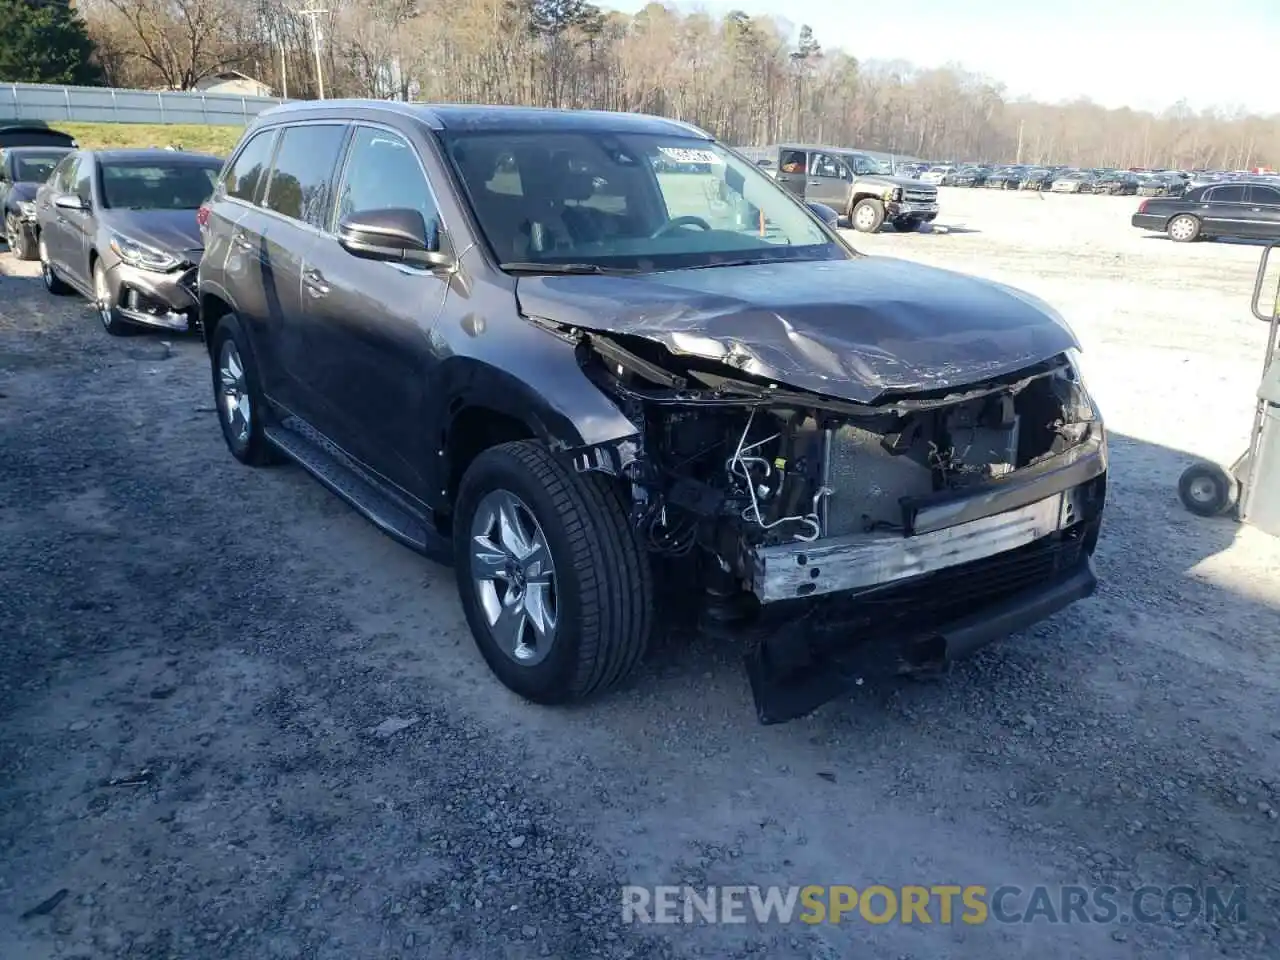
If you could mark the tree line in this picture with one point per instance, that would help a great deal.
(749, 80)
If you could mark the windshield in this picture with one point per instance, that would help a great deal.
(632, 202)
(156, 185)
(35, 167)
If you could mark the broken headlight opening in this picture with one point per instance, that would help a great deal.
(27, 210)
(789, 504)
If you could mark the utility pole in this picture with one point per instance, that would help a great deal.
(314, 15)
(284, 75)
(1021, 124)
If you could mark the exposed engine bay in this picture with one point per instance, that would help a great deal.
(752, 472)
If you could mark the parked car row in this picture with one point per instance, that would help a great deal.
(599, 361)
(1070, 180)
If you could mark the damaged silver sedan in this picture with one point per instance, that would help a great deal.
(626, 384)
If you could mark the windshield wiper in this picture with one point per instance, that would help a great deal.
(529, 266)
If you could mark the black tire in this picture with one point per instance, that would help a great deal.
(1186, 231)
(249, 447)
(1207, 490)
(105, 304)
(907, 224)
(871, 221)
(52, 282)
(18, 238)
(604, 593)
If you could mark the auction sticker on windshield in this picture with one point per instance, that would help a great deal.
(688, 155)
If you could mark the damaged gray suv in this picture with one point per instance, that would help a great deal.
(624, 383)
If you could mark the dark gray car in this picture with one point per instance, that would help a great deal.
(119, 227)
(22, 170)
(619, 378)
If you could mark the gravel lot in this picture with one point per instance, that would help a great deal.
(232, 638)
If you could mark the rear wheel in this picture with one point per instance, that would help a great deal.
(237, 395)
(867, 215)
(52, 282)
(1208, 490)
(555, 584)
(1183, 228)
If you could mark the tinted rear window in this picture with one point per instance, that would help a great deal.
(302, 178)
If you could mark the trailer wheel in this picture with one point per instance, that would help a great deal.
(1208, 490)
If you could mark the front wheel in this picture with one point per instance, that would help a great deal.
(18, 238)
(52, 282)
(104, 302)
(867, 215)
(1208, 490)
(1183, 228)
(555, 584)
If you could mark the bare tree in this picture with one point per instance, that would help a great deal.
(746, 79)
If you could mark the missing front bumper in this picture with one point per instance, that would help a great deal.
(796, 570)
(785, 688)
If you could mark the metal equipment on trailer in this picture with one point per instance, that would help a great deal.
(1251, 485)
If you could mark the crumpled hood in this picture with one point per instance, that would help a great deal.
(851, 329)
(172, 231)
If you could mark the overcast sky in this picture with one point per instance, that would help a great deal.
(1146, 54)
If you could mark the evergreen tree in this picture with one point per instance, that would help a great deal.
(45, 41)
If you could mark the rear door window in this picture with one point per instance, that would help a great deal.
(301, 182)
(1232, 194)
(245, 174)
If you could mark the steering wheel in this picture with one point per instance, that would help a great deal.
(677, 222)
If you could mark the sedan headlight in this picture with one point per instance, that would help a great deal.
(27, 208)
(142, 256)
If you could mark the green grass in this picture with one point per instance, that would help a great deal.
(194, 137)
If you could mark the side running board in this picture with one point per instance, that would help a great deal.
(302, 443)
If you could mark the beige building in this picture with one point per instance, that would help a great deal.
(235, 83)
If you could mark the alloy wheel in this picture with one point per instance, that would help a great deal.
(46, 268)
(102, 295)
(234, 404)
(514, 577)
(1182, 228)
(864, 217)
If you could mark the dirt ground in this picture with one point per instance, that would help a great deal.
(227, 640)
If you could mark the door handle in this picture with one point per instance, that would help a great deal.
(241, 241)
(313, 280)
(815, 183)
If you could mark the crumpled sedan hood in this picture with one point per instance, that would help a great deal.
(172, 231)
(851, 329)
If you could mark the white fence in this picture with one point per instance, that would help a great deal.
(50, 103)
